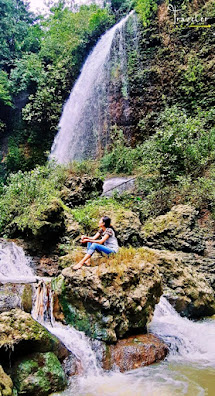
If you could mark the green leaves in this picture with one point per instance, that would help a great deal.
(5, 95)
(183, 145)
(14, 24)
(28, 194)
(145, 8)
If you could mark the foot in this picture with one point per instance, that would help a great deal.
(88, 263)
(77, 266)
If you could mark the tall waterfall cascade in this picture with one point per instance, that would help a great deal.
(85, 124)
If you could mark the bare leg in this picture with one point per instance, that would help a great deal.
(79, 265)
(88, 262)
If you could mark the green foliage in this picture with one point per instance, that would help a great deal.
(5, 95)
(27, 74)
(121, 158)
(88, 215)
(89, 167)
(193, 82)
(182, 144)
(14, 24)
(145, 8)
(121, 6)
(27, 195)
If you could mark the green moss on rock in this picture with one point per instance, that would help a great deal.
(39, 374)
(6, 384)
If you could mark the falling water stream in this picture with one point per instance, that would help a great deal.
(188, 370)
(85, 122)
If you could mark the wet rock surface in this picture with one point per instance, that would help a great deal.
(134, 352)
(176, 230)
(38, 374)
(108, 302)
(21, 334)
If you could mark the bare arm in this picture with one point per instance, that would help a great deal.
(99, 241)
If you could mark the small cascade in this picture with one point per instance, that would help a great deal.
(75, 341)
(15, 266)
(98, 99)
(188, 340)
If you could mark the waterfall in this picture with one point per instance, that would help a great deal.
(188, 340)
(75, 341)
(15, 266)
(93, 105)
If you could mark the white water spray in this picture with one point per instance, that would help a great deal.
(14, 264)
(75, 341)
(84, 125)
(189, 341)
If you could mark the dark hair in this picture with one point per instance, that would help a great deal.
(107, 222)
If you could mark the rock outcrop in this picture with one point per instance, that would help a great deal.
(176, 230)
(39, 375)
(134, 352)
(110, 301)
(185, 284)
(78, 190)
(30, 355)
(15, 296)
(6, 384)
(20, 334)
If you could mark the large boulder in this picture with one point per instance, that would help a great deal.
(48, 225)
(185, 284)
(134, 352)
(21, 334)
(6, 384)
(39, 374)
(78, 190)
(111, 300)
(176, 230)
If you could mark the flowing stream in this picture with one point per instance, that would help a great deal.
(15, 266)
(189, 368)
(84, 126)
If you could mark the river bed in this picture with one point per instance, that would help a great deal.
(189, 369)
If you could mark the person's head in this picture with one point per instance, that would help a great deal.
(105, 221)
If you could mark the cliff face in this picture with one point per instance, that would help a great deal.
(169, 62)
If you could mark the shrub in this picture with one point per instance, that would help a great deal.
(28, 194)
(121, 158)
(182, 145)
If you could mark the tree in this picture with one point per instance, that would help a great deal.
(14, 25)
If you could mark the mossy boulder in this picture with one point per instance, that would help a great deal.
(110, 301)
(47, 227)
(176, 230)
(39, 374)
(185, 284)
(6, 384)
(78, 190)
(19, 333)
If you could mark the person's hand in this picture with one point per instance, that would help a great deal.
(84, 239)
